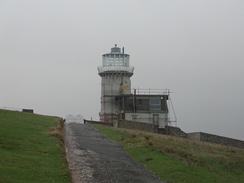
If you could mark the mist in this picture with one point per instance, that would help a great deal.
(50, 50)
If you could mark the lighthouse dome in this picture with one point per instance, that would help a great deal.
(116, 49)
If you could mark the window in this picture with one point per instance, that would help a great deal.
(155, 104)
(142, 104)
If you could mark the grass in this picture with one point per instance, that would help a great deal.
(30, 150)
(178, 160)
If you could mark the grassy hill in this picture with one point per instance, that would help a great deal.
(178, 160)
(29, 150)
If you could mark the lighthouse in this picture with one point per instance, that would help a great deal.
(115, 75)
(119, 105)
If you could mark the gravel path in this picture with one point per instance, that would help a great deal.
(94, 159)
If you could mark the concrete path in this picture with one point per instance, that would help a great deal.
(93, 158)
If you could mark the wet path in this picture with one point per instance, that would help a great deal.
(93, 158)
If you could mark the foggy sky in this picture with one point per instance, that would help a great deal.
(50, 50)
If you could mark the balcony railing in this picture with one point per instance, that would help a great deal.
(102, 69)
(150, 91)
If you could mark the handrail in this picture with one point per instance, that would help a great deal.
(115, 68)
(151, 91)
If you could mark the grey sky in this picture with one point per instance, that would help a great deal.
(50, 50)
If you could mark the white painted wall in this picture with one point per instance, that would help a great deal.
(148, 118)
(111, 85)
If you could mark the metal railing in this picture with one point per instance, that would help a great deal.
(115, 68)
(150, 91)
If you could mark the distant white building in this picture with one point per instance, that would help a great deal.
(119, 102)
(74, 119)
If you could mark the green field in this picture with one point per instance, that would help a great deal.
(30, 150)
(178, 160)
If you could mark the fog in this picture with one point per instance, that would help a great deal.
(50, 50)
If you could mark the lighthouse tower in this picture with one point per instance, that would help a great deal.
(115, 73)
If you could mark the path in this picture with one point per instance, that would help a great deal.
(95, 159)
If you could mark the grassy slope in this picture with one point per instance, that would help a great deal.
(179, 160)
(28, 153)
